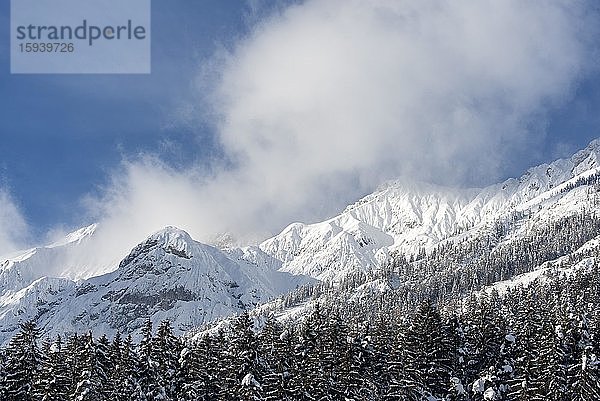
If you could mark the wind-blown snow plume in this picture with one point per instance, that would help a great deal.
(326, 99)
(13, 227)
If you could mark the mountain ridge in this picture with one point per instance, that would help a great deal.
(167, 276)
(419, 217)
(171, 276)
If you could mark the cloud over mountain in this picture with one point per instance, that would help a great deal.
(322, 101)
(13, 227)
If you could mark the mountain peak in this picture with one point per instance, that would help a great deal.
(593, 146)
(587, 158)
(174, 240)
(170, 239)
(172, 235)
(76, 236)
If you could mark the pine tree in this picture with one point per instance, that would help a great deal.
(166, 350)
(199, 367)
(190, 373)
(73, 361)
(54, 382)
(586, 385)
(527, 384)
(428, 357)
(553, 355)
(456, 346)
(106, 367)
(358, 367)
(128, 387)
(218, 372)
(147, 366)
(92, 378)
(483, 338)
(245, 371)
(275, 353)
(309, 382)
(23, 364)
(3, 395)
(334, 345)
(383, 345)
(117, 376)
(401, 384)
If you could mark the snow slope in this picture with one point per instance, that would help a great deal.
(565, 265)
(406, 216)
(68, 258)
(168, 276)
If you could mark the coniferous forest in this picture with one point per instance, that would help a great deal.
(538, 342)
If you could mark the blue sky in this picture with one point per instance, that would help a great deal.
(63, 136)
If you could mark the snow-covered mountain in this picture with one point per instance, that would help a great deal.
(171, 276)
(71, 257)
(407, 217)
(168, 276)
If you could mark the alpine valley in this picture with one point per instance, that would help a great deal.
(482, 259)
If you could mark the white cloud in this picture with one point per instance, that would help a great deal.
(325, 100)
(395, 87)
(13, 227)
